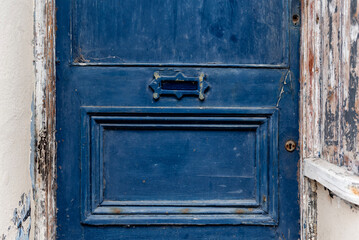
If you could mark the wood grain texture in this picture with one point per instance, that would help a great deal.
(330, 82)
(310, 131)
(44, 169)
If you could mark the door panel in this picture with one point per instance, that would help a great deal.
(159, 179)
(172, 118)
(186, 31)
(179, 166)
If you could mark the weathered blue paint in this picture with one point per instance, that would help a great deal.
(133, 167)
(179, 166)
(22, 218)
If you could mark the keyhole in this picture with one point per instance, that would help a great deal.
(290, 146)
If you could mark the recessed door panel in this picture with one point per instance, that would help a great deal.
(185, 31)
(149, 164)
(218, 166)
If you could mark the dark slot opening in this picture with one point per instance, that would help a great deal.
(179, 85)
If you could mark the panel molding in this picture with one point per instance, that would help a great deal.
(261, 210)
(187, 65)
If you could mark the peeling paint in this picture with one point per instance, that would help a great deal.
(21, 220)
(355, 190)
(334, 108)
(44, 163)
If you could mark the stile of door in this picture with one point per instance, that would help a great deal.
(173, 118)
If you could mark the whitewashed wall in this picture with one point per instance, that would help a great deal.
(337, 220)
(16, 90)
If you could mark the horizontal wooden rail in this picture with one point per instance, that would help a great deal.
(343, 183)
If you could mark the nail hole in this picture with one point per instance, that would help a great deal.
(295, 19)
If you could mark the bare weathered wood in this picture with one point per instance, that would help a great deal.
(350, 104)
(340, 181)
(329, 90)
(310, 112)
(44, 168)
(309, 224)
(339, 83)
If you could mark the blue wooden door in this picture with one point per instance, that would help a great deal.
(173, 118)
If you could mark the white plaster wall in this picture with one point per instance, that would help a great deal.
(337, 220)
(16, 90)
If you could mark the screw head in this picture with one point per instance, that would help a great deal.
(156, 96)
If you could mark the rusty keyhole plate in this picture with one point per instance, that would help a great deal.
(290, 146)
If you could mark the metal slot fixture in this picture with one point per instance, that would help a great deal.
(179, 85)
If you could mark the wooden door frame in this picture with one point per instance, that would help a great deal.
(44, 167)
(44, 162)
